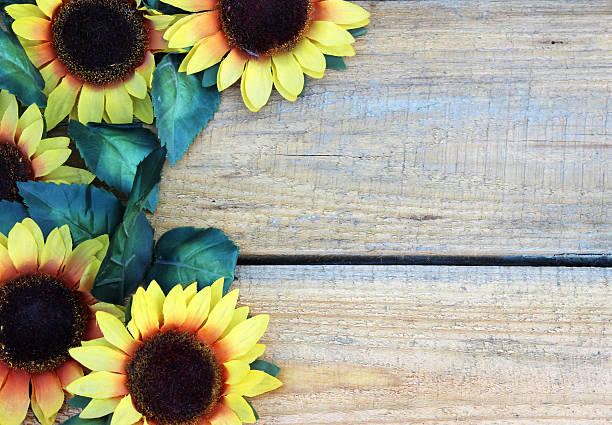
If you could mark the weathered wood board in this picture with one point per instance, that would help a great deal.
(399, 345)
(461, 127)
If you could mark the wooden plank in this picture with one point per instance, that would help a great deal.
(473, 127)
(401, 345)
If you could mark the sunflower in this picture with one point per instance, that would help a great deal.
(45, 309)
(24, 155)
(270, 42)
(183, 359)
(96, 56)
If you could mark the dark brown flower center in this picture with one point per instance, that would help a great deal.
(265, 27)
(100, 41)
(174, 379)
(14, 167)
(40, 319)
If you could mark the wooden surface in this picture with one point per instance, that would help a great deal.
(399, 345)
(461, 127)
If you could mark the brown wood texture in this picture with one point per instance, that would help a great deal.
(397, 345)
(461, 127)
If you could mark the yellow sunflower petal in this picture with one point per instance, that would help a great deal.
(219, 317)
(329, 34)
(61, 101)
(125, 413)
(29, 117)
(115, 332)
(7, 269)
(48, 6)
(208, 52)
(190, 291)
(193, 28)
(52, 73)
(100, 358)
(231, 68)
(37, 233)
(242, 338)
(216, 291)
(51, 144)
(241, 408)
(137, 86)
(143, 314)
(54, 253)
(82, 256)
(339, 50)
(342, 12)
(253, 354)
(157, 297)
(100, 407)
(257, 83)
(91, 104)
(197, 310)
(187, 58)
(353, 25)
(30, 138)
(69, 175)
(289, 73)
(143, 109)
(119, 105)
(36, 409)
(49, 393)
(255, 383)
(89, 276)
(99, 385)
(18, 11)
(8, 116)
(22, 248)
(49, 160)
(175, 308)
(133, 329)
(33, 28)
(239, 316)
(193, 5)
(236, 371)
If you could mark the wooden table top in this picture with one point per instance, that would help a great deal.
(463, 132)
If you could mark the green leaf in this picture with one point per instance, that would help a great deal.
(113, 152)
(181, 105)
(356, 32)
(11, 213)
(187, 254)
(88, 210)
(335, 62)
(209, 76)
(78, 401)
(75, 420)
(269, 368)
(131, 247)
(163, 7)
(17, 74)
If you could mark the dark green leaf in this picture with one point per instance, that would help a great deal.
(88, 210)
(356, 32)
(269, 368)
(10, 213)
(131, 247)
(75, 420)
(113, 152)
(187, 254)
(163, 7)
(181, 105)
(78, 401)
(335, 62)
(209, 76)
(17, 74)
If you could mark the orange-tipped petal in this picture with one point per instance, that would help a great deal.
(69, 372)
(341, 12)
(241, 339)
(100, 385)
(8, 116)
(7, 269)
(23, 249)
(209, 51)
(82, 256)
(143, 314)
(219, 318)
(14, 398)
(191, 29)
(99, 358)
(241, 408)
(115, 332)
(49, 393)
(33, 28)
(175, 308)
(223, 415)
(41, 54)
(197, 310)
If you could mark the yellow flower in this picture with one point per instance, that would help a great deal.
(96, 56)
(24, 156)
(183, 359)
(45, 309)
(270, 42)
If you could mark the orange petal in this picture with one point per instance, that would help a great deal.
(7, 269)
(33, 28)
(15, 398)
(49, 393)
(195, 28)
(223, 415)
(209, 51)
(69, 372)
(41, 54)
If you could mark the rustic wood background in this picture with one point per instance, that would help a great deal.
(463, 132)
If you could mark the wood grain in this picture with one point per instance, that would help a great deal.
(461, 127)
(364, 345)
